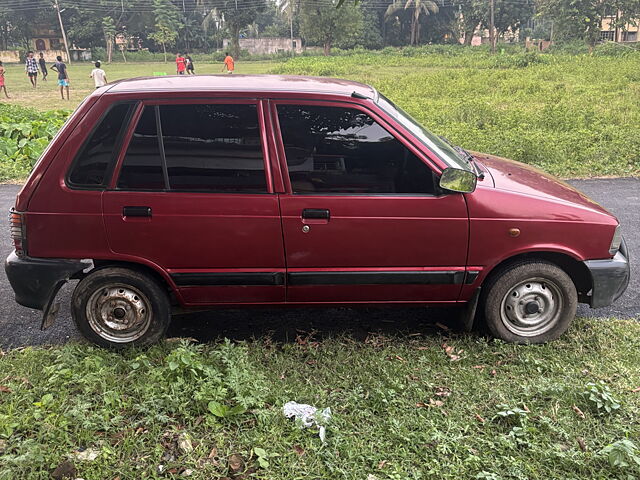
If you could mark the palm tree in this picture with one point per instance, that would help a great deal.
(419, 7)
(288, 8)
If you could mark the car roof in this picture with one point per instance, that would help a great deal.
(242, 84)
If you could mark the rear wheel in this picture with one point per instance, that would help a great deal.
(530, 302)
(116, 307)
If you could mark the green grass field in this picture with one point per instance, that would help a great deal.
(47, 95)
(573, 116)
(414, 405)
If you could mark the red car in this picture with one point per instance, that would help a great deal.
(273, 190)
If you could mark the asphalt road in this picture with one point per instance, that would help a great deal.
(20, 326)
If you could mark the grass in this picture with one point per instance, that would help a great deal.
(47, 94)
(572, 115)
(404, 407)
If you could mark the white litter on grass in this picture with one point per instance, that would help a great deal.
(308, 416)
(87, 455)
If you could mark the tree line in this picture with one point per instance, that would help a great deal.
(201, 25)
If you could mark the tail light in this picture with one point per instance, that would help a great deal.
(18, 232)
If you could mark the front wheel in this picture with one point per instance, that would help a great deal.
(530, 302)
(116, 307)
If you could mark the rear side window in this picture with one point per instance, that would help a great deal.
(203, 147)
(339, 150)
(142, 166)
(94, 160)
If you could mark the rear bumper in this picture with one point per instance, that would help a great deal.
(610, 278)
(36, 280)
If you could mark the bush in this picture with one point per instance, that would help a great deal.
(24, 134)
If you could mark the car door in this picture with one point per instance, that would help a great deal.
(192, 195)
(363, 219)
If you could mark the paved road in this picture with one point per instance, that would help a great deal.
(20, 326)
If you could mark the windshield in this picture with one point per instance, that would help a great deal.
(442, 149)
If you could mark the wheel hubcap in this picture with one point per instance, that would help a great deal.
(119, 313)
(532, 307)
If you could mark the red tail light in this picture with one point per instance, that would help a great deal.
(18, 232)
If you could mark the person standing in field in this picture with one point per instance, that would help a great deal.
(189, 61)
(180, 64)
(228, 63)
(43, 67)
(63, 76)
(99, 76)
(2, 85)
(31, 68)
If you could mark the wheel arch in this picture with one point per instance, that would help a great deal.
(159, 276)
(577, 270)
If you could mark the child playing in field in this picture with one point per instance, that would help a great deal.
(99, 76)
(180, 64)
(2, 85)
(63, 76)
(190, 67)
(43, 67)
(31, 68)
(228, 63)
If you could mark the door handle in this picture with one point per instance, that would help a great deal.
(136, 211)
(316, 213)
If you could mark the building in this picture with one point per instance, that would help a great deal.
(608, 30)
(262, 46)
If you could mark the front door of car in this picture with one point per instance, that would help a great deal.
(363, 219)
(191, 196)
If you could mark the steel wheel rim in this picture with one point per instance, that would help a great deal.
(532, 307)
(119, 313)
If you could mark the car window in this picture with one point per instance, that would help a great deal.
(342, 150)
(142, 166)
(213, 148)
(90, 166)
(205, 148)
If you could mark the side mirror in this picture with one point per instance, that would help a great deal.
(458, 180)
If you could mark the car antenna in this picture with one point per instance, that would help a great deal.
(360, 95)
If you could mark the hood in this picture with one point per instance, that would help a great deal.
(513, 176)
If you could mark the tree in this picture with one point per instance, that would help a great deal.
(324, 24)
(237, 14)
(109, 30)
(288, 8)
(164, 36)
(419, 7)
(167, 23)
(583, 18)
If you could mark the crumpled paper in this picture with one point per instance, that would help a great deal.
(308, 416)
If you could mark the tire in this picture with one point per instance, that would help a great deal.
(529, 302)
(119, 307)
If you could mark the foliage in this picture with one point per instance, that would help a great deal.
(622, 454)
(24, 134)
(133, 407)
(417, 8)
(554, 111)
(599, 396)
(582, 18)
(324, 24)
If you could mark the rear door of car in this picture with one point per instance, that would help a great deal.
(363, 218)
(192, 194)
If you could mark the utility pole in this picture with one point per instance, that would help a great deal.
(492, 33)
(64, 35)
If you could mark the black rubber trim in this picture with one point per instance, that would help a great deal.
(443, 277)
(471, 277)
(610, 278)
(36, 280)
(228, 279)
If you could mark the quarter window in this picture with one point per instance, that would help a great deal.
(204, 148)
(92, 162)
(345, 151)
